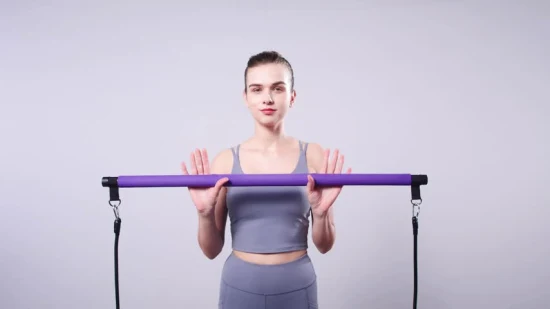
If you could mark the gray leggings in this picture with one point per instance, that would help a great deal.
(246, 285)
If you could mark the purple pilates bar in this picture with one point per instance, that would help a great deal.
(243, 180)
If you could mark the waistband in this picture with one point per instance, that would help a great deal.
(268, 279)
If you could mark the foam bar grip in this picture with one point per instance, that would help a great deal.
(250, 180)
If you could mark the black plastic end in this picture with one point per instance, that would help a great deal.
(117, 226)
(419, 180)
(109, 182)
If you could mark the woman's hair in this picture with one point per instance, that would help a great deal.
(267, 57)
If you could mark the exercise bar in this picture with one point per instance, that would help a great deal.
(242, 180)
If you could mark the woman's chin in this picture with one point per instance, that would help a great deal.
(269, 123)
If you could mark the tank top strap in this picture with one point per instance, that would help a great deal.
(303, 147)
(236, 161)
(235, 150)
(302, 162)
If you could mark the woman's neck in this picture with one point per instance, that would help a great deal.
(268, 138)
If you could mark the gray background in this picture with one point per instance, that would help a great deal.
(457, 90)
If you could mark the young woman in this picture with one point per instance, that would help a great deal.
(269, 267)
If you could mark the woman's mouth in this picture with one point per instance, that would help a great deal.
(268, 111)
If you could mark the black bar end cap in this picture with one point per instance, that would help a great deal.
(419, 180)
(109, 181)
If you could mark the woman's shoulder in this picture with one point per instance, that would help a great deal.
(312, 147)
(314, 155)
(222, 163)
(309, 146)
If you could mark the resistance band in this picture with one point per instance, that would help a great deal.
(247, 180)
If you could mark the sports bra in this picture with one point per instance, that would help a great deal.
(269, 219)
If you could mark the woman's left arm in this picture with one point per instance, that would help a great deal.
(321, 199)
(323, 231)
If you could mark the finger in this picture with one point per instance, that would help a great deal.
(219, 184)
(339, 165)
(184, 169)
(325, 161)
(349, 170)
(198, 161)
(205, 162)
(310, 183)
(332, 164)
(193, 164)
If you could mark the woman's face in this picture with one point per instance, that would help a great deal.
(268, 93)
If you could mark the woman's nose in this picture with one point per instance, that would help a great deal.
(268, 99)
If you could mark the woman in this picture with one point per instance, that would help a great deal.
(269, 267)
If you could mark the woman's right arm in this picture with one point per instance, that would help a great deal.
(211, 234)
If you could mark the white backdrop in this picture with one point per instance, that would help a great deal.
(457, 90)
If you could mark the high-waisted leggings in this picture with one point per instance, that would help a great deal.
(246, 285)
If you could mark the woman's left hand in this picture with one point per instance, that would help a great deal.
(322, 198)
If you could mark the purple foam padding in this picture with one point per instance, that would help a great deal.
(245, 180)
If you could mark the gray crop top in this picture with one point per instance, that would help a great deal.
(269, 219)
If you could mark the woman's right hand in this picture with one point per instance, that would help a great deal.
(203, 198)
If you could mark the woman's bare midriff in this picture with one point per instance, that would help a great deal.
(270, 258)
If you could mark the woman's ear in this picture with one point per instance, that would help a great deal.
(244, 97)
(292, 98)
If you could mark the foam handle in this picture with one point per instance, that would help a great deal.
(247, 180)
